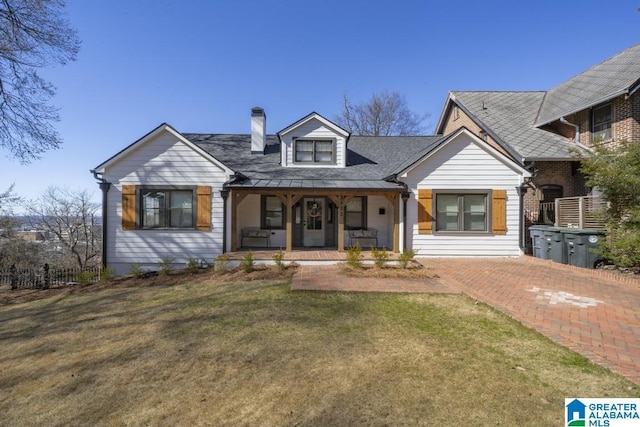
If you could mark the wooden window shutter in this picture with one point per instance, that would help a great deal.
(425, 208)
(499, 211)
(128, 207)
(203, 220)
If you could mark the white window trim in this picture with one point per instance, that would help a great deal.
(314, 140)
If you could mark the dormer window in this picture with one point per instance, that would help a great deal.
(314, 151)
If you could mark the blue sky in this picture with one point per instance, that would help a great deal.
(202, 65)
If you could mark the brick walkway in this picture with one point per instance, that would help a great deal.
(591, 312)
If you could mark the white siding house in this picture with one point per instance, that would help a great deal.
(464, 164)
(177, 197)
(161, 160)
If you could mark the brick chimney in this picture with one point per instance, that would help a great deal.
(258, 130)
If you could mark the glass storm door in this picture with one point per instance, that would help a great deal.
(314, 216)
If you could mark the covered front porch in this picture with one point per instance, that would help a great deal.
(318, 221)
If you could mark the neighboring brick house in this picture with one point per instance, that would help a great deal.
(538, 129)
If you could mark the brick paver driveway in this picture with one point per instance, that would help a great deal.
(593, 312)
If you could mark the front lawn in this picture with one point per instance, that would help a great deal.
(197, 352)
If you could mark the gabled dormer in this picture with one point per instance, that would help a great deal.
(313, 141)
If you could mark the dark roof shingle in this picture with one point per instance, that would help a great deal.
(510, 116)
(369, 161)
(600, 83)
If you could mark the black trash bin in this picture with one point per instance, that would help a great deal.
(539, 242)
(583, 249)
(555, 244)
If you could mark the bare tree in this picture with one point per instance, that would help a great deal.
(33, 35)
(72, 219)
(385, 114)
(8, 199)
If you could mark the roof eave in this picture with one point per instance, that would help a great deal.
(575, 110)
(447, 103)
(164, 127)
(314, 115)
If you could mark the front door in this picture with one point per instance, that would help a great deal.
(314, 221)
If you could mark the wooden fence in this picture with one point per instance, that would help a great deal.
(47, 277)
(580, 212)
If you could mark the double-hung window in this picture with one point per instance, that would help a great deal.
(601, 119)
(457, 212)
(273, 213)
(355, 217)
(162, 208)
(314, 151)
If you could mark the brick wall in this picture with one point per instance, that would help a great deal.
(456, 118)
(625, 121)
(565, 174)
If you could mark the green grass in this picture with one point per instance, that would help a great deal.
(255, 353)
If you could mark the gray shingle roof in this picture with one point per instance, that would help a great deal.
(370, 160)
(510, 117)
(611, 78)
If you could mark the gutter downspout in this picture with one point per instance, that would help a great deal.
(104, 186)
(522, 190)
(576, 139)
(405, 195)
(225, 195)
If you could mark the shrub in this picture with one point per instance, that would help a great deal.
(380, 257)
(136, 270)
(616, 173)
(622, 245)
(165, 265)
(277, 258)
(220, 263)
(192, 264)
(247, 262)
(85, 277)
(354, 256)
(107, 274)
(405, 257)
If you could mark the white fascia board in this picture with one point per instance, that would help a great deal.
(480, 143)
(315, 116)
(150, 136)
(450, 99)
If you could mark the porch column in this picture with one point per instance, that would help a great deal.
(289, 235)
(340, 209)
(394, 199)
(236, 198)
(234, 222)
(340, 202)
